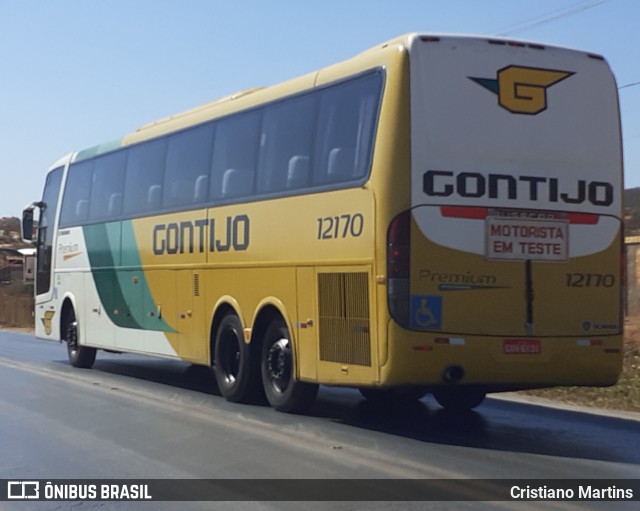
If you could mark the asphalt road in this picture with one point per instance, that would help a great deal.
(143, 418)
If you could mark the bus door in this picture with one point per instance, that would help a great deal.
(45, 311)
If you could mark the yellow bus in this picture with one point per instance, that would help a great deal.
(437, 214)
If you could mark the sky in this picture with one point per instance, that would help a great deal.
(77, 73)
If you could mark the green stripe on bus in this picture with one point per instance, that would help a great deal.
(124, 293)
(99, 149)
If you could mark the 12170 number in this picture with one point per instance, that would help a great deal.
(590, 279)
(340, 226)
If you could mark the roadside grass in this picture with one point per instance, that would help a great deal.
(625, 395)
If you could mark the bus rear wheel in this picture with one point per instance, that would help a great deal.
(284, 392)
(459, 399)
(79, 356)
(236, 375)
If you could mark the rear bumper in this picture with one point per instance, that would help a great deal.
(418, 358)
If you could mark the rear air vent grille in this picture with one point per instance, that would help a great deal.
(344, 318)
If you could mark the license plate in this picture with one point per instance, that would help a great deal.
(521, 347)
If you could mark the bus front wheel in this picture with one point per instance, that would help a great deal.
(284, 392)
(79, 356)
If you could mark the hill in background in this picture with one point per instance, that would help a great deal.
(10, 230)
(632, 211)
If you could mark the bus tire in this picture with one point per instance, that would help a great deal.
(459, 399)
(236, 375)
(284, 392)
(79, 356)
(394, 396)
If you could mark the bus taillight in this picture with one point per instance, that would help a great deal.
(398, 241)
(398, 259)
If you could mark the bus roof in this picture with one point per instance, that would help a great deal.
(252, 97)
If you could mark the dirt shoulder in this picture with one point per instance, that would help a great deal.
(624, 396)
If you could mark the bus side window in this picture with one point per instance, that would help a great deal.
(341, 164)
(201, 191)
(107, 184)
(288, 131)
(298, 173)
(234, 156)
(77, 194)
(145, 170)
(154, 197)
(115, 204)
(82, 211)
(237, 183)
(188, 157)
(346, 127)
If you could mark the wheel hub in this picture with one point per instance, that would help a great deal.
(279, 364)
(72, 336)
(230, 357)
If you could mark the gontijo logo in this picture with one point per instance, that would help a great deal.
(522, 90)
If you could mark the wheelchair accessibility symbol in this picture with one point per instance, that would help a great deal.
(426, 312)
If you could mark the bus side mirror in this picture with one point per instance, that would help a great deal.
(27, 221)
